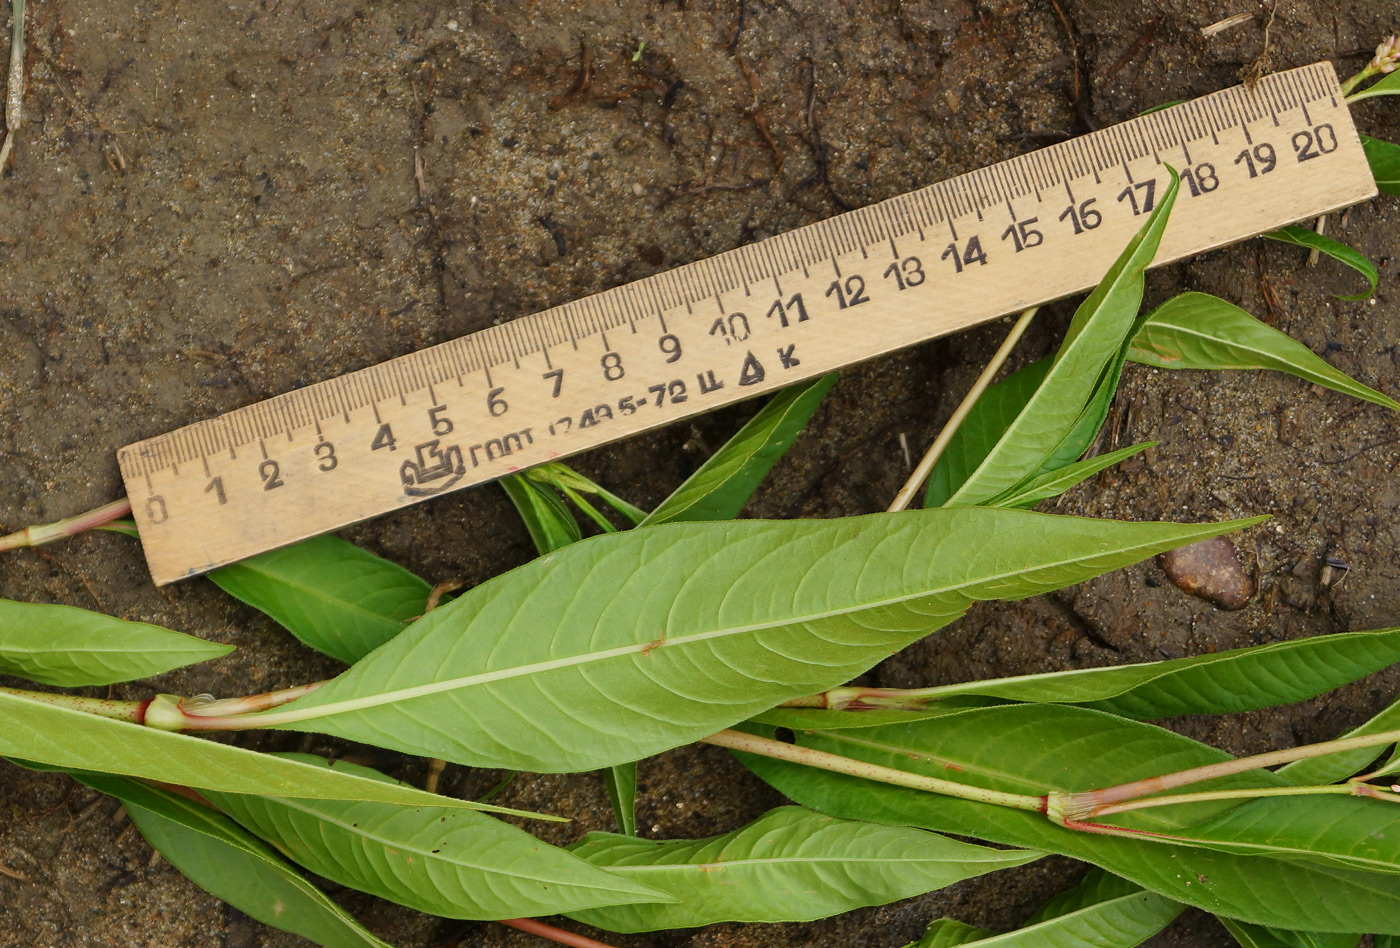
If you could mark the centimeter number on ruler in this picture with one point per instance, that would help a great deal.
(1024, 231)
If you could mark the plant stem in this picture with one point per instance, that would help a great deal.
(133, 711)
(229, 707)
(557, 935)
(1340, 789)
(822, 760)
(868, 699)
(14, 90)
(935, 451)
(1081, 806)
(69, 526)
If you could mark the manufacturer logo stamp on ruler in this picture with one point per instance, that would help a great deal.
(1024, 231)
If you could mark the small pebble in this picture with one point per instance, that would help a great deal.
(1211, 570)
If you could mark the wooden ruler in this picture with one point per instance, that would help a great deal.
(1025, 231)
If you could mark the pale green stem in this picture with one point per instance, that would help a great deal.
(935, 451)
(133, 711)
(1341, 789)
(867, 699)
(1359, 78)
(69, 526)
(822, 760)
(1080, 806)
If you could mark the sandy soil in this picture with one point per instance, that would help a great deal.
(214, 203)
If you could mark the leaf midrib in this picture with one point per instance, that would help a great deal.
(809, 861)
(276, 718)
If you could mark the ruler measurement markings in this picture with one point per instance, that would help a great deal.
(717, 369)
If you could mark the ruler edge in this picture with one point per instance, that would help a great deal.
(420, 361)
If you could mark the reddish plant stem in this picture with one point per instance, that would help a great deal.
(69, 526)
(557, 935)
(1089, 803)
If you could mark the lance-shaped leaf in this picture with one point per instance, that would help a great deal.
(1031, 748)
(980, 431)
(1227, 682)
(1316, 771)
(68, 647)
(621, 780)
(1070, 402)
(1200, 331)
(1311, 239)
(1056, 482)
(552, 528)
(724, 483)
(74, 740)
(1388, 85)
(549, 522)
(1340, 830)
(632, 643)
(1102, 912)
(1384, 158)
(334, 596)
(229, 863)
(1258, 936)
(949, 933)
(444, 861)
(789, 865)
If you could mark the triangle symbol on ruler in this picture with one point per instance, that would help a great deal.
(752, 372)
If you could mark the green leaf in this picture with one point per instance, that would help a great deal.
(949, 933)
(1258, 936)
(628, 644)
(551, 525)
(1341, 830)
(74, 740)
(1056, 482)
(788, 865)
(1227, 682)
(1303, 237)
(724, 483)
(334, 596)
(1033, 748)
(980, 431)
(1164, 106)
(819, 719)
(1384, 158)
(622, 793)
(1080, 382)
(1102, 912)
(229, 863)
(126, 528)
(441, 860)
(1199, 331)
(68, 647)
(574, 485)
(1316, 771)
(1388, 85)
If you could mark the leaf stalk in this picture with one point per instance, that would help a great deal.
(935, 451)
(69, 526)
(822, 760)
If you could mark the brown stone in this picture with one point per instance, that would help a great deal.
(1210, 569)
